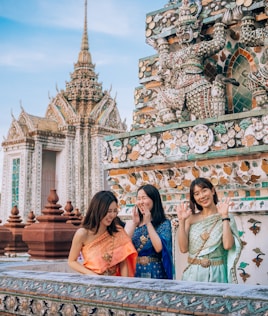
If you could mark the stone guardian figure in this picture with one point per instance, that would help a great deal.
(186, 85)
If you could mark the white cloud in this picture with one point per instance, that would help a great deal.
(23, 59)
(111, 17)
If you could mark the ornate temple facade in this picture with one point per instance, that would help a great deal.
(64, 149)
(201, 110)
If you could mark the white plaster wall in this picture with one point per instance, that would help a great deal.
(61, 176)
(257, 275)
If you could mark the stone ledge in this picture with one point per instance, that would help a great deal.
(23, 292)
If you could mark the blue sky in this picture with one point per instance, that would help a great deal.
(40, 41)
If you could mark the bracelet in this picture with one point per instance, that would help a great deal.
(226, 219)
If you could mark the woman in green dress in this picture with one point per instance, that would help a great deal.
(209, 234)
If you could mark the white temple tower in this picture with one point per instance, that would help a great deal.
(64, 149)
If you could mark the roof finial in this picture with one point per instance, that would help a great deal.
(84, 55)
(12, 115)
(21, 106)
(85, 37)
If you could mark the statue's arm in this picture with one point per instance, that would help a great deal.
(209, 48)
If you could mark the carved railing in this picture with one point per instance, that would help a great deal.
(53, 293)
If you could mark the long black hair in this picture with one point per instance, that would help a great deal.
(97, 210)
(202, 183)
(157, 212)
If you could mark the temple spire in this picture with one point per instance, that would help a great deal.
(84, 91)
(84, 55)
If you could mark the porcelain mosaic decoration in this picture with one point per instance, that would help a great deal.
(201, 110)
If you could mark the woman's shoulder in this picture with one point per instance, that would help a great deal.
(165, 224)
(166, 221)
(120, 231)
(82, 233)
(119, 228)
(194, 218)
(121, 234)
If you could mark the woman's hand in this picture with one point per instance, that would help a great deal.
(135, 215)
(132, 224)
(147, 217)
(223, 207)
(183, 211)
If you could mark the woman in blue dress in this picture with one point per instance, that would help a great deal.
(151, 235)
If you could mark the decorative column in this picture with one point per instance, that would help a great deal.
(51, 236)
(30, 218)
(5, 238)
(78, 214)
(15, 225)
(70, 214)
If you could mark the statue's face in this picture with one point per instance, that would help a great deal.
(185, 33)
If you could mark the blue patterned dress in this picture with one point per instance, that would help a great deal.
(151, 264)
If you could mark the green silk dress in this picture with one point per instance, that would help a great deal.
(223, 262)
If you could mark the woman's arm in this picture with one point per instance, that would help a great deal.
(184, 214)
(124, 268)
(133, 223)
(183, 236)
(75, 250)
(227, 235)
(155, 239)
(130, 228)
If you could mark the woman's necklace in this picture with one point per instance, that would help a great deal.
(107, 256)
(143, 238)
(205, 235)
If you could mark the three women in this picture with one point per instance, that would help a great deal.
(206, 231)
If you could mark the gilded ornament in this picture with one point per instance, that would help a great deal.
(205, 236)
(143, 239)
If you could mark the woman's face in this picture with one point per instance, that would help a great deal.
(203, 196)
(144, 202)
(111, 214)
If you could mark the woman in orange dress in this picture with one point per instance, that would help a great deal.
(105, 247)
